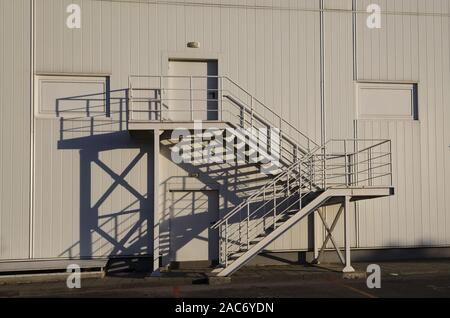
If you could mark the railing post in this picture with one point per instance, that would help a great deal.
(369, 168)
(161, 106)
(347, 180)
(390, 162)
(248, 226)
(226, 243)
(130, 98)
(300, 184)
(243, 117)
(221, 99)
(280, 146)
(274, 206)
(240, 240)
(252, 111)
(221, 247)
(324, 168)
(191, 99)
(288, 184)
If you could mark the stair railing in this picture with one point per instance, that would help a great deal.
(214, 98)
(339, 163)
(306, 167)
(262, 210)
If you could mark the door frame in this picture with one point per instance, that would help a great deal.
(211, 259)
(194, 55)
(209, 110)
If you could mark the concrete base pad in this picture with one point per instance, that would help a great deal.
(215, 280)
(354, 273)
(358, 255)
(45, 278)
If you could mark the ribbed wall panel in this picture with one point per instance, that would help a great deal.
(15, 110)
(270, 47)
(411, 47)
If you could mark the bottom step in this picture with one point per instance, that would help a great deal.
(216, 271)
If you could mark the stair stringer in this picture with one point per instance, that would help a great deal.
(253, 251)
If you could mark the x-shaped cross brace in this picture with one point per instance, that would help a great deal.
(345, 260)
(330, 236)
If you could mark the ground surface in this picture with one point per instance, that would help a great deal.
(402, 279)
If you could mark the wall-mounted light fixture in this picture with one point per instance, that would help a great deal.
(193, 45)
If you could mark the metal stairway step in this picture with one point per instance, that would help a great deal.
(267, 239)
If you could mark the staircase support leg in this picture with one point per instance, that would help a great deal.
(329, 237)
(156, 143)
(348, 266)
(316, 244)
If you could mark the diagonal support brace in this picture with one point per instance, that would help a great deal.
(330, 236)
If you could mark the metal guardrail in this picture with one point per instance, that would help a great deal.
(210, 98)
(354, 163)
(308, 167)
(339, 163)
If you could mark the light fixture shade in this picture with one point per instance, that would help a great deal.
(193, 45)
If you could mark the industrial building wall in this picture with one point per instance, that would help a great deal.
(338, 98)
(15, 116)
(92, 182)
(412, 47)
(273, 52)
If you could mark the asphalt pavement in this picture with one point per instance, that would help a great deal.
(397, 280)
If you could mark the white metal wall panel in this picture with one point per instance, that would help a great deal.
(271, 51)
(411, 47)
(338, 96)
(272, 48)
(396, 221)
(91, 191)
(267, 48)
(15, 110)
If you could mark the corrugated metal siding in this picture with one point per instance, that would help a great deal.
(272, 52)
(395, 221)
(92, 192)
(14, 128)
(271, 47)
(339, 96)
(413, 48)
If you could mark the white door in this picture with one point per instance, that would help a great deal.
(191, 237)
(192, 90)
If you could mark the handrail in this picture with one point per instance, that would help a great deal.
(315, 153)
(241, 234)
(262, 190)
(303, 170)
(270, 110)
(261, 118)
(220, 89)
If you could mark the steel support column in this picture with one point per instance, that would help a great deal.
(315, 225)
(348, 266)
(156, 218)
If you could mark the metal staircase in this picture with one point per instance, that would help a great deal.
(306, 176)
(329, 177)
(154, 102)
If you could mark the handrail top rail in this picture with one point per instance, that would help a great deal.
(313, 153)
(235, 84)
(268, 185)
